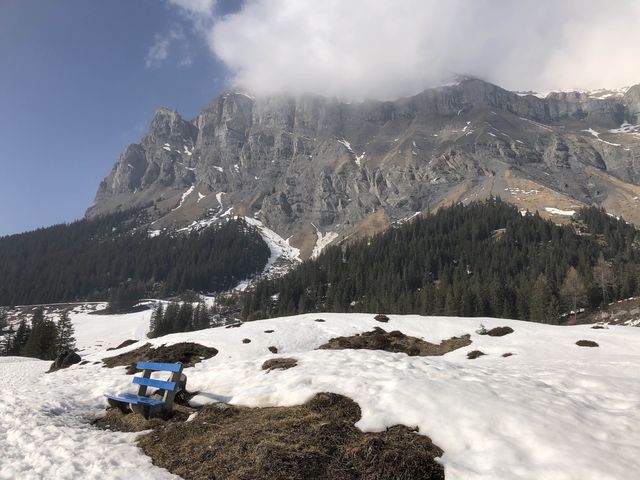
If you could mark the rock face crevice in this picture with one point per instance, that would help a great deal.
(296, 161)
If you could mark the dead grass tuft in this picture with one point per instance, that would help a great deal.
(317, 440)
(186, 353)
(498, 331)
(282, 363)
(125, 421)
(396, 342)
(475, 354)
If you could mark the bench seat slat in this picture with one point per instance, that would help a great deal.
(136, 399)
(152, 382)
(164, 367)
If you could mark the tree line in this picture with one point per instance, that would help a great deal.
(482, 259)
(183, 317)
(91, 258)
(41, 338)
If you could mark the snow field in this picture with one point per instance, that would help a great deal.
(553, 410)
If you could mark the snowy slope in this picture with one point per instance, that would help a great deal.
(552, 411)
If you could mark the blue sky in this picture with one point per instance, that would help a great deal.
(78, 83)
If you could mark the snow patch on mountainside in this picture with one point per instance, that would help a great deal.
(322, 241)
(557, 211)
(184, 197)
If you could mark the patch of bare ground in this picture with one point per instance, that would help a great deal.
(396, 342)
(126, 343)
(498, 331)
(622, 312)
(317, 440)
(186, 353)
(508, 354)
(475, 354)
(282, 363)
(587, 343)
(381, 317)
(120, 420)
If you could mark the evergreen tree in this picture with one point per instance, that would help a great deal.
(4, 320)
(156, 323)
(65, 341)
(20, 338)
(42, 339)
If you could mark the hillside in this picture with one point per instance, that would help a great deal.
(317, 170)
(114, 256)
(517, 417)
(482, 259)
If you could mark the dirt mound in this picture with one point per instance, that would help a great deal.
(475, 354)
(279, 363)
(186, 353)
(498, 331)
(587, 343)
(316, 440)
(126, 343)
(396, 342)
(120, 421)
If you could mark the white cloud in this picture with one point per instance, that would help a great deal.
(384, 49)
(163, 45)
(197, 7)
(200, 12)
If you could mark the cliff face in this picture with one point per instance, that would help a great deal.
(310, 165)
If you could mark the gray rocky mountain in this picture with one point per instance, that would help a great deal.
(315, 169)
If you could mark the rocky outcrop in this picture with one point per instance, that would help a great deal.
(310, 163)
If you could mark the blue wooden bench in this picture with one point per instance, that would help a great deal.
(141, 402)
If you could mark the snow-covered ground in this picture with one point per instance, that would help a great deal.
(98, 332)
(552, 410)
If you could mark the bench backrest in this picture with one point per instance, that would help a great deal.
(169, 386)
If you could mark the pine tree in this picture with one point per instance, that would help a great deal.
(156, 323)
(4, 320)
(20, 338)
(42, 339)
(65, 341)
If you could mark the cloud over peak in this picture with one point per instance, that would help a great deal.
(383, 49)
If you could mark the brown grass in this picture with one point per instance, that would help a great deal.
(282, 363)
(186, 353)
(498, 331)
(475, 354)
(124, 421)
(396, 342)
(317, 440)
